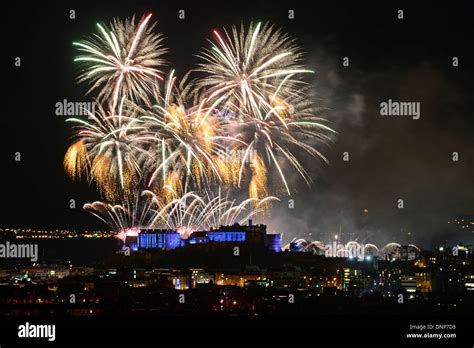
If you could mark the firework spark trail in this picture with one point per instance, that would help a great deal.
(189, 139)
(258, 76)
(193, 212)
(125, 61)
(125, 219)
(132, 213)
(185, 213)
(278, 143)
(76, 160)
(107, 152)
(249, 67)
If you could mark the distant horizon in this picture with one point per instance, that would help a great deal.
(434, 246)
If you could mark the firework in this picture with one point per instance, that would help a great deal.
(256, 75)
(76, 160)
(187, 137)
(157, 149)
(107, 152)
(274, 143)
(351, 249)
(126, 218)
(185, 213)
(192, 212)
(247, 68)
(122, 61)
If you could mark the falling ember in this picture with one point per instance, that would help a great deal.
(76, 160)
(258, 183)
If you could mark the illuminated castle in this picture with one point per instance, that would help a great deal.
(255, 235)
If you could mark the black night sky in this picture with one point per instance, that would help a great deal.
(390, 158)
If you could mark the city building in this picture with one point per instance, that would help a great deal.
(408, 283)
(252, 235)
(159, 239)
